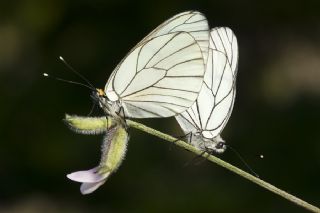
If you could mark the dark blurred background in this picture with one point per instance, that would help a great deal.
(276, 111)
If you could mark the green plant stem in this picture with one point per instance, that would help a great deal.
(226, 165)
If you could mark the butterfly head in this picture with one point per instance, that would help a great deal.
(99, 96)
(216, 145)
(220, 147)
(100, 92)
(110, 108)
(208, 144)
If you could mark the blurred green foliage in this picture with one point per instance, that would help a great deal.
(276, 110)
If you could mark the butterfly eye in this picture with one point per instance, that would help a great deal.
(220, 145)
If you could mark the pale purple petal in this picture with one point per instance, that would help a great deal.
(87, 188)
(89, 176)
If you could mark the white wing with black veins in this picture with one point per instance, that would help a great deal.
(213, 107)
(162, 75)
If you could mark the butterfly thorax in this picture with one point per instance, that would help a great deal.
(215, 144)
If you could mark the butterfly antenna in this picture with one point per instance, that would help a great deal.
(243, 161)
(67, 81)
(77, 73)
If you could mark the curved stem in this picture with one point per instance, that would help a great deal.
(226, 165)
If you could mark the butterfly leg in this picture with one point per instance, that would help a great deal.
(197, 160)
(123, 118)
(189, 135)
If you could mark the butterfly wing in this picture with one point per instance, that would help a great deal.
(213, 107)
(192, 22)
(163, 74)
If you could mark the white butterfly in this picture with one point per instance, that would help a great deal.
(162, 75)
(207, 117)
